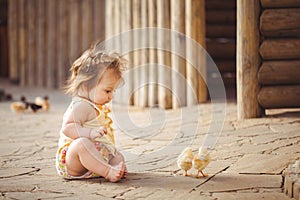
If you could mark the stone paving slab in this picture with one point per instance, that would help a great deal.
(247, 161)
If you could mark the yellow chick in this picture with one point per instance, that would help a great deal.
(184, 160)
(201, 160)
(44, 102)
(18, 107)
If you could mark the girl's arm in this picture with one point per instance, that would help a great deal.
(73, 128)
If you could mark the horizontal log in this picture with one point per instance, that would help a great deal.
(220, 5)
(280, 4)
(274, 49)
(221, 48)
(220, 17)
(280, 22)
(279, 96)
(220, 31)
(224, 65)
(279, 72)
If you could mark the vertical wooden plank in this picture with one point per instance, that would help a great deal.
(136, 18)
(22, 41)
(164, 58)
(248, 59)
(195, 29)
(143, 102)
(62, 42)
(118, 20)
(178, 44)
(126, 44)
(51, 44)
(87, 29)
(31, 42)
(41, 46)
(13, 40)
(99, 20)
(153, 93)
(74, 39)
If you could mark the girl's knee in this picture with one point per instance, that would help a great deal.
(82, 143)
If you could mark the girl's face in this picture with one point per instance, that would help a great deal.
(103, 92)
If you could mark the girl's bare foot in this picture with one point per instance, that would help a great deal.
(116, 172)
(125, 172)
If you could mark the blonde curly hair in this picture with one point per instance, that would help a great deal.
(88, 69)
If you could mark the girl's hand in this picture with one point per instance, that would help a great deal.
(98, 132)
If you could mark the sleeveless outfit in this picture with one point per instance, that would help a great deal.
(105, 144)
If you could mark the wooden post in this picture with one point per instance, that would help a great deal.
(51, 47)
(87, 28)
(62, 58)
(22, 44)
(74, 39)
(164, 58)
(136, 18)
(126, 44)
(41, 45)
(143, 101)
(13, 40)
(248, 59)
(31, 43)
(195, 29)
(178, 64)
(99, 20)
(153, 93)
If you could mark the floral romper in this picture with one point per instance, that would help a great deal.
(105, 144)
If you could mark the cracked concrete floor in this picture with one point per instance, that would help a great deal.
(247, 161)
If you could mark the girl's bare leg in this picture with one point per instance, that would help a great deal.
(82, 156)
(116, 160)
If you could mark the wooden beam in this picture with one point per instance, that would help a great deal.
(51, 44)
(279, 96)
(227, 17)
(279, 72)
(221, 49)
(274, 49)
(220, 5)
(22, 43)
(74, 39)
(287, 22)
(62, 44)
(220, 31)
(248, 60)
(41, 44)
(280, 4)
(164, 57)
(136, 16)
(144, 55)
(152, 19)
(13, 41)
(87, 28)
(195, 29)
(178, 44)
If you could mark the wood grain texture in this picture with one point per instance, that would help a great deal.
(275, 49)
(280, 22)
(248, 59)
(279, 72)
(279, 96)
(280, 4)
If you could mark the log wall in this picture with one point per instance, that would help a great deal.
(221, 41)
(279, 71)
(47, 36)
(268, 56)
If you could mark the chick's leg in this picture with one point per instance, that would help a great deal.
(185, 173)
(204, 175)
